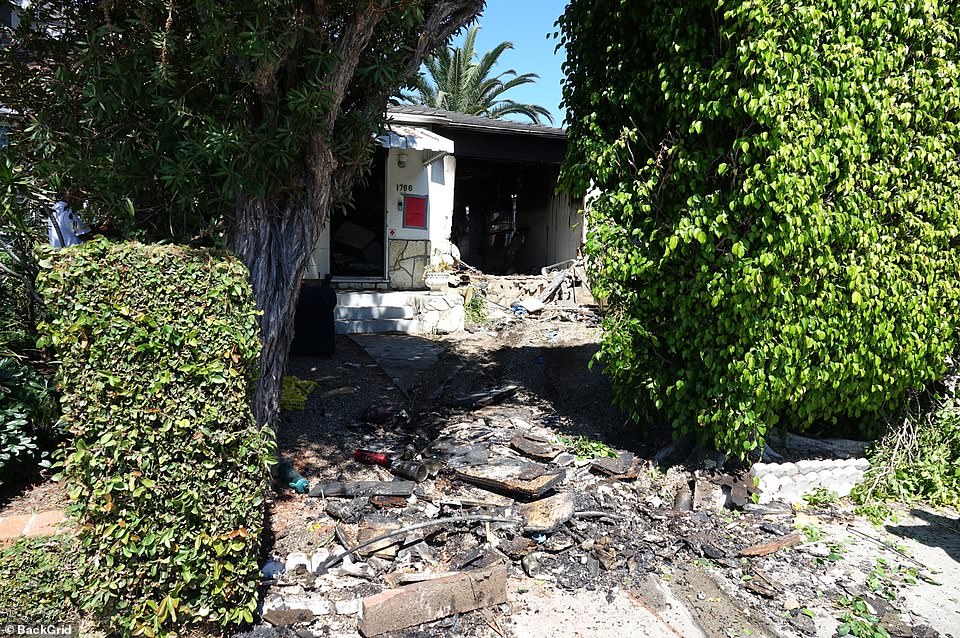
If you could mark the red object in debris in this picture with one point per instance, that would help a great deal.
(371, 458)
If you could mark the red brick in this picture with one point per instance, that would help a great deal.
(12, 526)
(45, 524)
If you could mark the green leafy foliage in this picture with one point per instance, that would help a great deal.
(777, 196)
(23, 209)
(167, 114)
(26, 415)
(42, 580)
(27, 404)
(167, 469)
(919, 459)
(858, 621)
(475, 306)
(821, 496)
(583, 447)
(812, 532)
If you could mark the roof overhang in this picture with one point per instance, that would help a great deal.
(414, 138)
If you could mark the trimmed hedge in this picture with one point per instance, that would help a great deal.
(168, 469)
(778, 211)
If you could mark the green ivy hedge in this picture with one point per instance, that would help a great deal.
(168, 469)
(778, 204)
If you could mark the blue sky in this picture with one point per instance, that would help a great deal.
(526, 23)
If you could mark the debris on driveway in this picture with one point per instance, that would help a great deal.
(511, 506)
(430, 600)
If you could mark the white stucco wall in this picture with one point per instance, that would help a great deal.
(435, 182)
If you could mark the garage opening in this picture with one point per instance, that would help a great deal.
(509, 219)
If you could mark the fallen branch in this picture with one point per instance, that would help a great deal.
(763, 549)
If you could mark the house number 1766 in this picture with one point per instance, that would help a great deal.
(405, 188)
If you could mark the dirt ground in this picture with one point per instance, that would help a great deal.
(643, 569)
(628, 562)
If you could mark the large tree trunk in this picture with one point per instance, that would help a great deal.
(274, 240)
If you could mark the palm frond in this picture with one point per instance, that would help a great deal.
(456, 80)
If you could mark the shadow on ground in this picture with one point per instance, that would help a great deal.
(549, 365)
(940, 531)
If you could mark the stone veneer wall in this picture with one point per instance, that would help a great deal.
(439, 313)
(407, 260)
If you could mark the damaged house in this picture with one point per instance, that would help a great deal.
(445, 185)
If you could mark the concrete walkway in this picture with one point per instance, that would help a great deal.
(403, 357)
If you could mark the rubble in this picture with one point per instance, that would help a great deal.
(548, 514)
(352, 489)
(514, 478)
(415, 604)
(507, 496)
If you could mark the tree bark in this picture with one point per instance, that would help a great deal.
(274, 240)
(275, 237)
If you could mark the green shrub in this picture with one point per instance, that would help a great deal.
(475, 306)
(919, 459)
(26, 417)
(168, 469)
(778, 190)
(42, 581)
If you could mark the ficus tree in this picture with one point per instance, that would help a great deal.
(777, 204)
(248, 120)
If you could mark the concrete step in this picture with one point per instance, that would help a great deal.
(410, 326)
(361, 313)
(365, 299)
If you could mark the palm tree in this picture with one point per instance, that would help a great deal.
(456, 83)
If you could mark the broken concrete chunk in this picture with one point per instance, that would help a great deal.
(547, 514)
(297, 562)
(347, 607)
(284, 617)
(363, 488)
(530, 305)
(431, 600)
(370, 528)
(283, 611)
(619, 466)
(465, 496)
(563, 459)
(707, 496)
